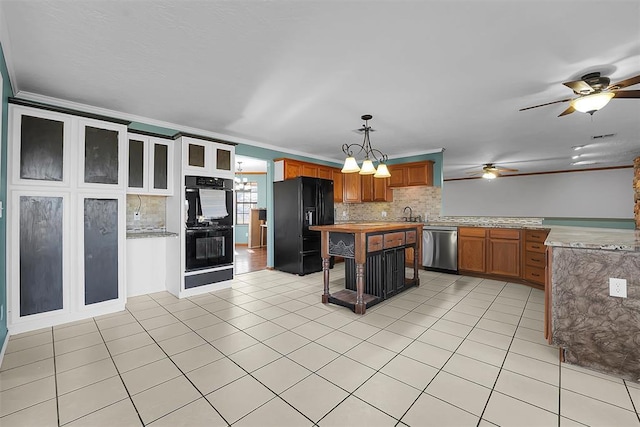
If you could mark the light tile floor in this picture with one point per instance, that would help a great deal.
(457, 351)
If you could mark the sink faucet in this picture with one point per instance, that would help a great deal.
(410, 213)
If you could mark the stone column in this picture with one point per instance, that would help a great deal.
(636, 191)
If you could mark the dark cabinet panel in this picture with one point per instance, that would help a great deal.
(136, 163)
(41, 230)
(196, 155)
(41, 149)
(100, 156)
(160, 166)
(223, 159)
(100, 250)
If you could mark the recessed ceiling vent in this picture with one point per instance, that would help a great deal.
(608, 135)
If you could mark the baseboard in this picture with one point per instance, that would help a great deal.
(241, 244)
(4, 347)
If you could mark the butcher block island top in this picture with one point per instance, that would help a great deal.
(381, 260)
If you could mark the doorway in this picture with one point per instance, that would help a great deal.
(250, 219)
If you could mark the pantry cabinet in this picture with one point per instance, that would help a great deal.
(150, 169)
(66, 225)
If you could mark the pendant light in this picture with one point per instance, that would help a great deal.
(370, 155)
(241, 182)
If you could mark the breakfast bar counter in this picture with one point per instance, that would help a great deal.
(375, 255)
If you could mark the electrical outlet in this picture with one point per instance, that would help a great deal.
(617, 287)
(136, 216)
(384, 214)
(344, 213)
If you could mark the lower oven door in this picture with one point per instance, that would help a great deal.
(208, 248)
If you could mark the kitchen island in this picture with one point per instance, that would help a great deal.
(377, 252)
(594, 329)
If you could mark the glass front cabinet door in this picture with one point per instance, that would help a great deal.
(40, 148)
(150, 165)
(102, 154)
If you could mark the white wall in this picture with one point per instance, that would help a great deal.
(588, 194)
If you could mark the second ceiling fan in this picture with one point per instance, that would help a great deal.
(594, 92)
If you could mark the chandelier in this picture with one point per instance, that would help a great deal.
(241, 182)
(370, 155)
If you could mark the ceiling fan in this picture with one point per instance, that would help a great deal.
(594, 92)
(491, 171)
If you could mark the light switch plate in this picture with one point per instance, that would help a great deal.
(136, 216)
(617, 287)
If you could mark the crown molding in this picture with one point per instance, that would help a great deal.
(5, 40)
(146, 120)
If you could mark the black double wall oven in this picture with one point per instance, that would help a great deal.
(209, 222)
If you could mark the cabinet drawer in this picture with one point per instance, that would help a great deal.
(504, 233)
(392, 240)
(534, 274)
(536, 235)
(411, 236)
(535, 247)
(374, 243)
(471, 231)
(535, 259)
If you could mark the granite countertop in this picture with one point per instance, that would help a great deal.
(609, 239)
(146, 234)
(359, 227)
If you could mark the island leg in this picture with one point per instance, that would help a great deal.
(325, 270)
(360, 307)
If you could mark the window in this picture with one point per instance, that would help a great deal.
(246, 199)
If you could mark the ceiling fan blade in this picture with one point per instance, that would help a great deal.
(507, 170)
(627, 93)
(567, 111)
(475, 173)
(624, 83)
(548, 103)
(580, 87)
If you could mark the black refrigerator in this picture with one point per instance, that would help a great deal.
(299, 203)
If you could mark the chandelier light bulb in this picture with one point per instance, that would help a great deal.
(350, 165)
(367, 168)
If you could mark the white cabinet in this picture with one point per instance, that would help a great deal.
(150, 168)
(102, 154)
(66, 223)
(146, 265)
(207, 158)
(40, 149)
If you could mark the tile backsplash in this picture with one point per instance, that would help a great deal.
(423, 201)
(152, 213)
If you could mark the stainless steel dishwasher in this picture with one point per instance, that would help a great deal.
(440, 248)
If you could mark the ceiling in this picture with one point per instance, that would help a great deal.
(297, 75)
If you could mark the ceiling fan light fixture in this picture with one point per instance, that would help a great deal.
(350, 165)
(382, 171)
(367, 168)
(489, 175)
(592, 103)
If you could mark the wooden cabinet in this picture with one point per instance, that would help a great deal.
(472, 252)
(375, 189)
(338, 185)
(207, 157)
(411, 174)
(535, 259)
(290, 168)
(503, 249)
(493, 251)
(352, 188)
(150, 169)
